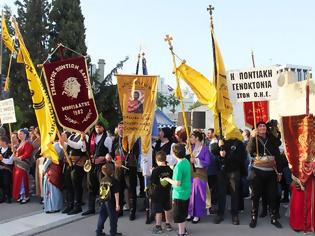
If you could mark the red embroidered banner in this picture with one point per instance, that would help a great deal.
(70, 93)
(262, 112)
(299, 137)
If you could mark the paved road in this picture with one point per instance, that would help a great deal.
(29, 220)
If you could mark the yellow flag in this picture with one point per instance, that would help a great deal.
(201, 86)
(223, 103)
(7, 40)
(19, 58)
(43, 109)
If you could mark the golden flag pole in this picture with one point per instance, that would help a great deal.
(169, 39)
(211, 9)
(6, 85)
(1, 45)
(64, 150)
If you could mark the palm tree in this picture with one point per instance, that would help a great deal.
(173, 102)
(161, 101)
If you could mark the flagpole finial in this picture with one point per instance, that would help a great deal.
(210, 9)
(168, 38)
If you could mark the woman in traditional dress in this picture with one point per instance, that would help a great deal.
(52, 186)
(22, 163)
(200, 160)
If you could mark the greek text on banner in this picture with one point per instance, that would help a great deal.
(254, 84)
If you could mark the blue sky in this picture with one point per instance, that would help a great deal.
(279, 32)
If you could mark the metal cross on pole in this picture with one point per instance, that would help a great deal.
(168, 38)
(210, 9)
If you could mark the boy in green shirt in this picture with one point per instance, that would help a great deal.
(181, 183)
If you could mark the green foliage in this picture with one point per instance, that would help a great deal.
(103, 120)
(173, 102)
(33, 22)
(161, 101)
(67, 26)
(107, 103)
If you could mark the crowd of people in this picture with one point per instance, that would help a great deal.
(190, 176)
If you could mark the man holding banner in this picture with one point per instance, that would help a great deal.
(267, 170)
(137, 98)
(127, 177)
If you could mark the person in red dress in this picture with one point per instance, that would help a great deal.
(22, 163)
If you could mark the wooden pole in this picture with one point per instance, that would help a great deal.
(254, 110)
(169, 39)
(7, 78)
(64, 150)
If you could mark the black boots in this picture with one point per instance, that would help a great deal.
(68, 208)
(91, 206)
(253, 221)
(88, 212)
(274, 220)
(76, 209)
(132, 215)
(133, 205)
(235, 220)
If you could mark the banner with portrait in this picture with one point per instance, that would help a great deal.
(70, 92)
(137, 98)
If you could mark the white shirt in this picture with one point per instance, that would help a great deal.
(78, 145)
(6, 161)
(107, 142)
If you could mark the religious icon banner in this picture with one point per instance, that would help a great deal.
(137, 98)
(299, 137)
(70, 92)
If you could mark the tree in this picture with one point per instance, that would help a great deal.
(67, 26)
(161, 101)
(33, 23)
(173, 102)
(106, 97)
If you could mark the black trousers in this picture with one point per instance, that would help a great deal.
(228, 181)
(141, 182)
(73, 184)
(107, 210)
(93, 184)
(128, 179)
(6, 183)
(213, 186)
(264, 182)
